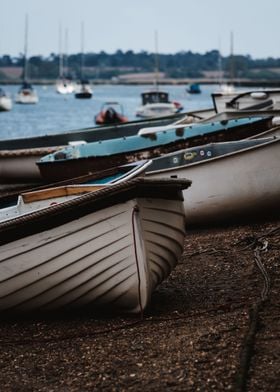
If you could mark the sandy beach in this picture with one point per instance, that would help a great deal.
(212, 326)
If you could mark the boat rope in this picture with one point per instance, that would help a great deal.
(134, 212)
(262, 247)
(259, 244)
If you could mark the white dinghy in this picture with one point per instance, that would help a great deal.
(77, 247)
(230, 181)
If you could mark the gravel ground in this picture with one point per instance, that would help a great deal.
(214, 325)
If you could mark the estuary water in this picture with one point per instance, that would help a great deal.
(59, 113)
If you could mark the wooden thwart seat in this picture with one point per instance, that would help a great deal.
(60, 191)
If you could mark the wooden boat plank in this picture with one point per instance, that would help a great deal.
(63, 191)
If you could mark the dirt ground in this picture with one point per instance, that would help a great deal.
(214, 325)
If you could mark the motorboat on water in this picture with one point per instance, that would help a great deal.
(111, 113)
(156, 103)
(5, 101)
(26, 94)
(194, 88)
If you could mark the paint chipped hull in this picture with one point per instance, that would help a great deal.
(83, 159)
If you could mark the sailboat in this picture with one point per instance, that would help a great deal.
(5, 101)
(83, 89)
(26, 93)
(227, 88)
(155, 103)
(63, 84)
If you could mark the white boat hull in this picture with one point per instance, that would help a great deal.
(65, 88)
(231, 187)
(5, 103)
(242, 100)
(21, 165)
(30, 98)
(156, 110)
(113, 257)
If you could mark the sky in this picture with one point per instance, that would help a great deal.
(109, 25)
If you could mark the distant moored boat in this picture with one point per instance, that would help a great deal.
(5, 101)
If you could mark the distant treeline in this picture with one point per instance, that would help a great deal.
(179, 65)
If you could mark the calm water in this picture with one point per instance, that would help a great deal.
(56, 113)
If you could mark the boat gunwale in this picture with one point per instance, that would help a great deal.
(268, 141)
(77, 134)
(169, 143)
(65, 212)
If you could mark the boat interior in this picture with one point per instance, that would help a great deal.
(44, 198)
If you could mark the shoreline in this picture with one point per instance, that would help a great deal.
(163, 82)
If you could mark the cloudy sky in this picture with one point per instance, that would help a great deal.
(181, 25)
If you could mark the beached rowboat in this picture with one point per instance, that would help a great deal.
(18, 156)
(258, 99)
(90, 157)
(9, 192)
(230, 181)
(71, 248)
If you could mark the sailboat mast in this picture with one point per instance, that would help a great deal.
(156, 60)
(220, 71)
(66, 52)
(231, 59)
(60, 53)
(25, 49)
(82, 49)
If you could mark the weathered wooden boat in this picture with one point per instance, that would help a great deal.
(66, 249)
(247, 100)
(18, 156)
(230, 181)
(85, 158)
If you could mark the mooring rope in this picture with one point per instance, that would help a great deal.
(259, 244)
